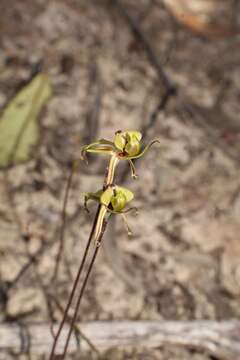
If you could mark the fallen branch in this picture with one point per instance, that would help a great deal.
(221, 339)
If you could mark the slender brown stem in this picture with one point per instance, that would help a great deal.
(83, 288)
(63, 224)
(107, 181)
(76, 328)
(74, 288)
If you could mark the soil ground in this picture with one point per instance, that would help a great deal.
(182, 261)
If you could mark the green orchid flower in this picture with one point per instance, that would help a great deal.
(125, 146)
(113, 200)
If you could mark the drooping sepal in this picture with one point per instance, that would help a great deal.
(91, 196)
(101, 147)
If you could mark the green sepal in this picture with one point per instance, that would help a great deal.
(128, 194)
(106, 196)
(118, 201)
(133, 147)
(119, 141)
(101, 147)
(144, 150)
(133, 134)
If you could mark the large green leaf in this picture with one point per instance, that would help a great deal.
(19, 128)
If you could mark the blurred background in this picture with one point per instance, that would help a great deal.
(168, 68)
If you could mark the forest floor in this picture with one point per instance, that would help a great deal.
(182, 261)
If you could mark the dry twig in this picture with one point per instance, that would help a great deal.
(221, 339)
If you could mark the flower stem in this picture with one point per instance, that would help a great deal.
(99, 229)
(65, 315)
(83, 288)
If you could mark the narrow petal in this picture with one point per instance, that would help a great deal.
(129, 231)
(133, 170)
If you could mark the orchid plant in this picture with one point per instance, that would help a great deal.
(111, 199)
